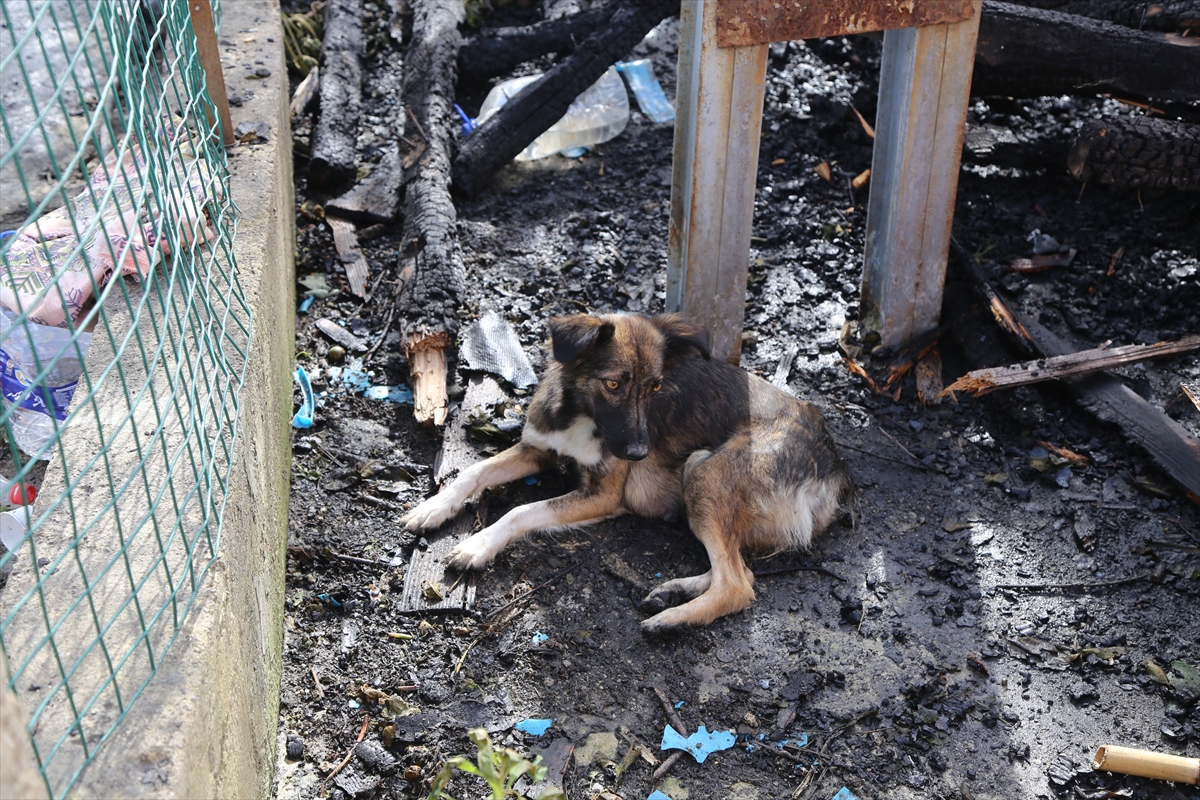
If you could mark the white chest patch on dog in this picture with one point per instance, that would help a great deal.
(577, 441)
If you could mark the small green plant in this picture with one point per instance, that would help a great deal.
(501, 769)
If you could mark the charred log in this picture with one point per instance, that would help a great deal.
(1163, 15)
(1029, 52)
(543, 103)
(431, 268)
(1138, 153)
(342, 50)
(497, 52)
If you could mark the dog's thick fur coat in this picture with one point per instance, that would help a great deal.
(657, 428)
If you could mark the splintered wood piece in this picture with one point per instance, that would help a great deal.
(929, 378)
(305, 92)
(1192, 390)
(1146, 764)
(427, 368)
(982, 381)
(346, 242)
(427, 587)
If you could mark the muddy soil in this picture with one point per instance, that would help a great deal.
(987, 617)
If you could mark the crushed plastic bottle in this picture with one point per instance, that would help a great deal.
(32, 427)
(597, 115)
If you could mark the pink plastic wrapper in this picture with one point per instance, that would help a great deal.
(49, 275)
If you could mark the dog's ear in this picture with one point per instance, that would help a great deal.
(682, 335)
(571, 336)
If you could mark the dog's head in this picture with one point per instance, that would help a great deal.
(615, 365)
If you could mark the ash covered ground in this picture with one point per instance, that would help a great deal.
(892, 647)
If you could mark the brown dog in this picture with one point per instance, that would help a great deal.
(654, 425)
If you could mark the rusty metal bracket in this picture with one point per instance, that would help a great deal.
(746, 22)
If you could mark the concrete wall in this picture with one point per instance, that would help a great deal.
(205, 724)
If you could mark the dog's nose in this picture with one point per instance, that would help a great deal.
(637, 451)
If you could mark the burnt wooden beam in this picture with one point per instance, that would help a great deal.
(982, 381)
(342, 49)
(1161, 15)
(1138, 153)
(544, 102)
(432, 275)
(492, 53)
(1169, 444)
(1028, 52)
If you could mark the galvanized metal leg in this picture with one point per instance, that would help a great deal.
(924, 88)
(718, 119)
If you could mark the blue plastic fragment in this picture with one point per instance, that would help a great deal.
(393, 394)
(531, 481)
(639, 76)
(469, 125)
(535, 727)
(304, 417)
(657, 795)
(575, 152)
(801, 741)
(700, 744)
(355, 380)
(845, 794)
(306, 304)
(352, 703)
(329, 600)
(679, 704)
(539, 637)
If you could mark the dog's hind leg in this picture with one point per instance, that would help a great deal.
(721, 520)
(674, 592)
(513, 464)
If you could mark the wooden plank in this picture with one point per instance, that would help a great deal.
(429, 565)
(210, 59)
(750, 22)
(982, 381)
(923, 92)
(717, 128)
(1192, 390)
(345, 241)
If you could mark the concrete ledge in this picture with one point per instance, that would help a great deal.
(205, 724)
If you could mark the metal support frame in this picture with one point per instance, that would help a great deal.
(717, 128)
(924, 90)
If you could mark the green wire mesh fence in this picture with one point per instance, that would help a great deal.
(124, 336)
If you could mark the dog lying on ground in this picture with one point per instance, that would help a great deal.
(656, 428)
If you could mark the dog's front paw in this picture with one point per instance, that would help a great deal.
(430, 514)
(668, 623)
(472, 554)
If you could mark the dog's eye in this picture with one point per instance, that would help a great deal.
(612, 385)
(657, 385)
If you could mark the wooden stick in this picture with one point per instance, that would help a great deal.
(346, 242)
(210, 58)
(362, 734)
(982, 381)
(675, 721)
(1146, 764)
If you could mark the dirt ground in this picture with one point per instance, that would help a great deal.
(897, 648)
